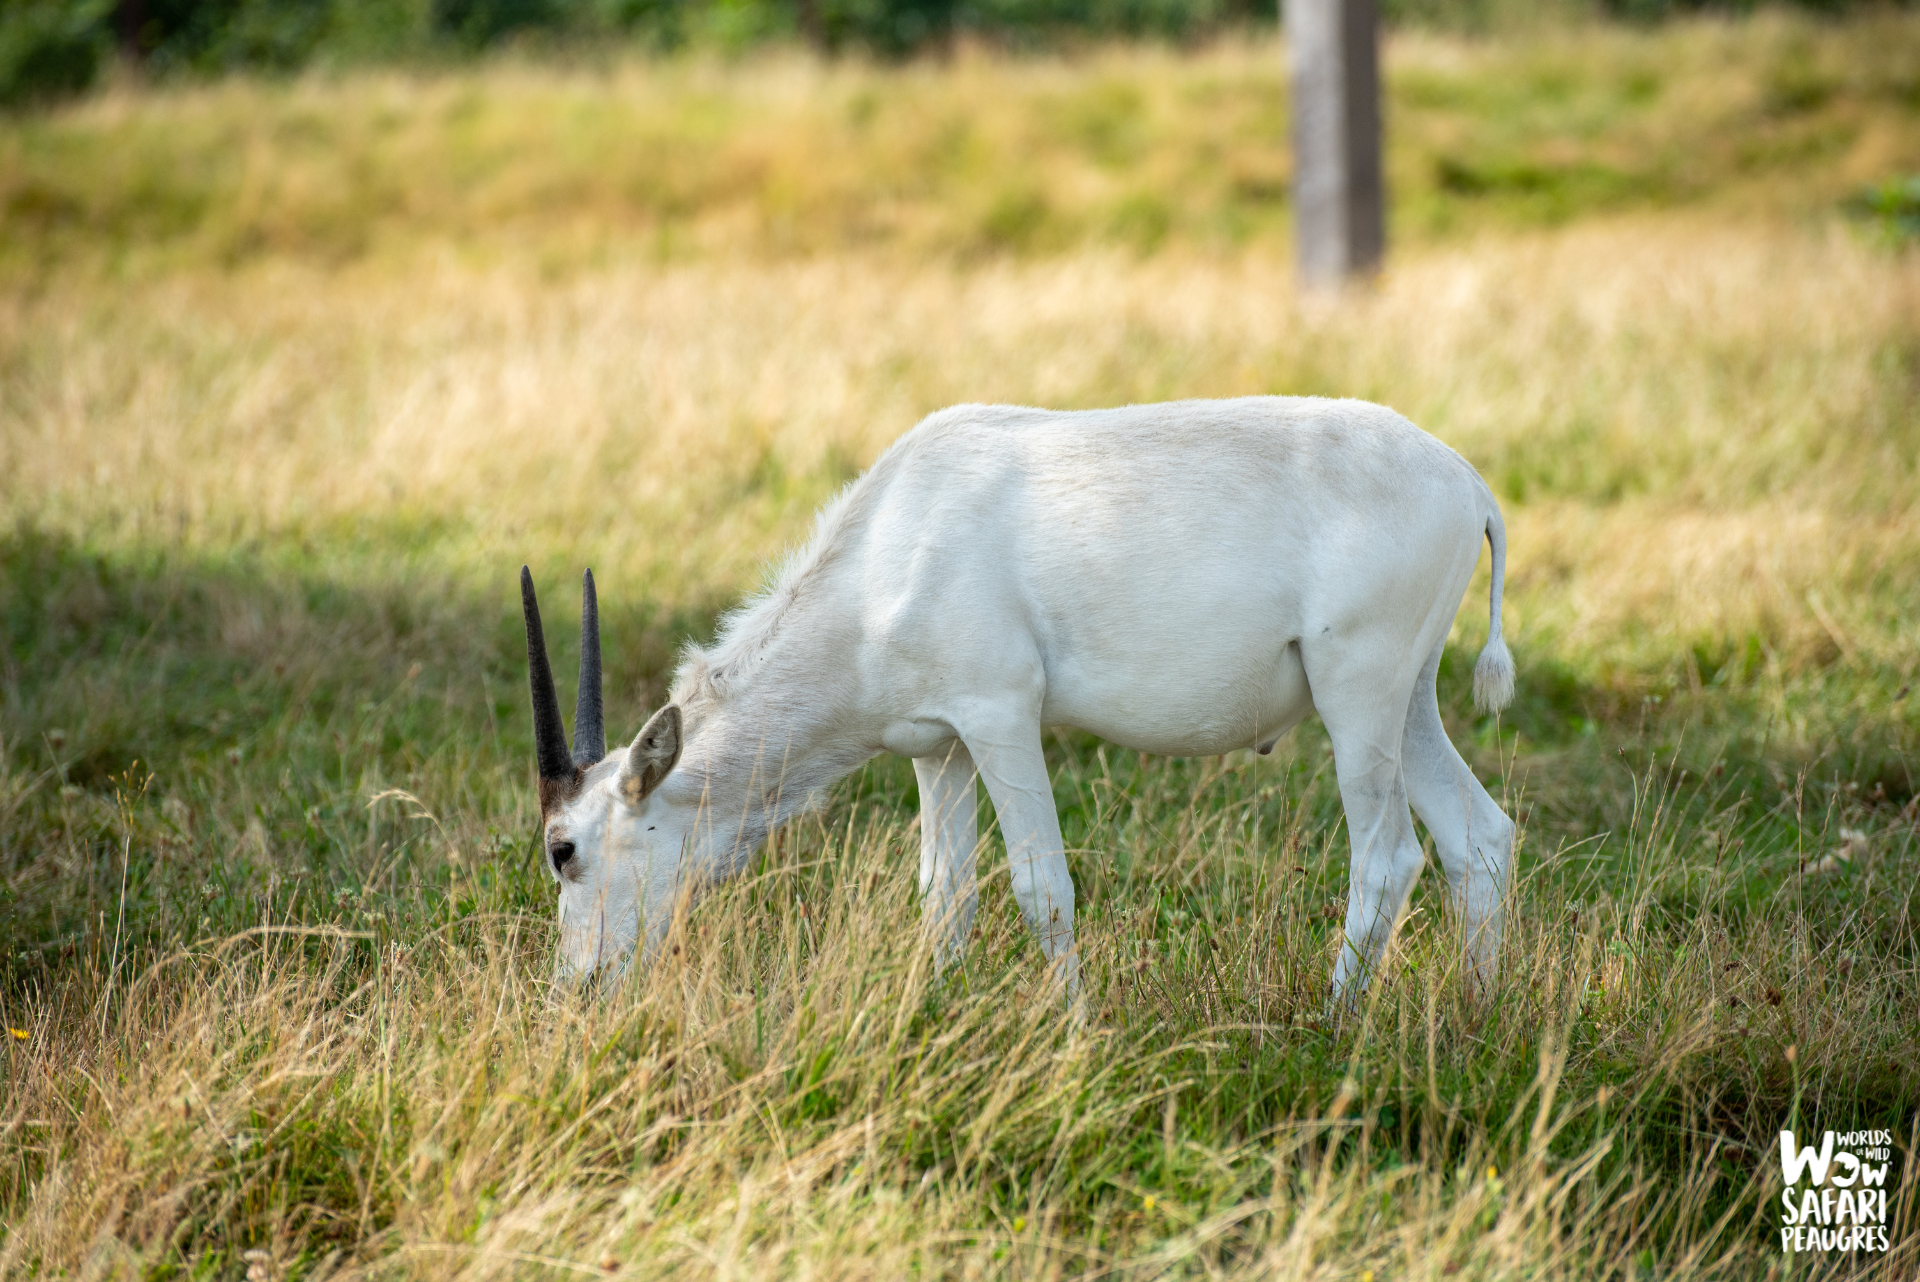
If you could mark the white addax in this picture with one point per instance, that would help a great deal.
(1185, 579)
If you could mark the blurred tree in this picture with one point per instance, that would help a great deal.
(892, 27)
(479, 23)
(51, 48)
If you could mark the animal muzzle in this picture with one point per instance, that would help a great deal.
(591, 956)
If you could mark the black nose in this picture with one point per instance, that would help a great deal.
(561, 852)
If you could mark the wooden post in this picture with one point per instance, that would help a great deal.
(807, 18)
(129, 16)
(1338, 199)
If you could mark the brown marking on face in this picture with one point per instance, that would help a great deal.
(555, 793)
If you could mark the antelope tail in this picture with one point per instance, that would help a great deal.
(1493, 672)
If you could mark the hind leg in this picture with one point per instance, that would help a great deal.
(1364, 707)
(1473, 836)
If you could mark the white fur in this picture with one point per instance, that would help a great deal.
(1185, 579)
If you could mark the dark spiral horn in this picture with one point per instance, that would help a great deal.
(589, 731)
(549, 736)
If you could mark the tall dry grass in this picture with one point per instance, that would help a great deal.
(1696, 425)
(794, 1093)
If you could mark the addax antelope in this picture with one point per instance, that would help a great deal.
(1184, 579)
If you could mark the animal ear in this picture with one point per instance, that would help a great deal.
(651, 755)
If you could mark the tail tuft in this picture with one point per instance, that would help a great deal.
(1493, 676)
(1493, 672)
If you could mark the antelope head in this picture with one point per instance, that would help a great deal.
(612, 841)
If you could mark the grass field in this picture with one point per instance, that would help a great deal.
(295, 375)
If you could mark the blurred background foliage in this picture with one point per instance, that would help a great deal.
(55, 48)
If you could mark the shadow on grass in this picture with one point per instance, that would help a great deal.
(188, 738)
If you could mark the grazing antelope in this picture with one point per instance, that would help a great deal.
(1184, 579)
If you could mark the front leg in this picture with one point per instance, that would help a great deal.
(949, 831)
(1015, 771)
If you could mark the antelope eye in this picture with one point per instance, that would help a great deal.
(561, 851)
